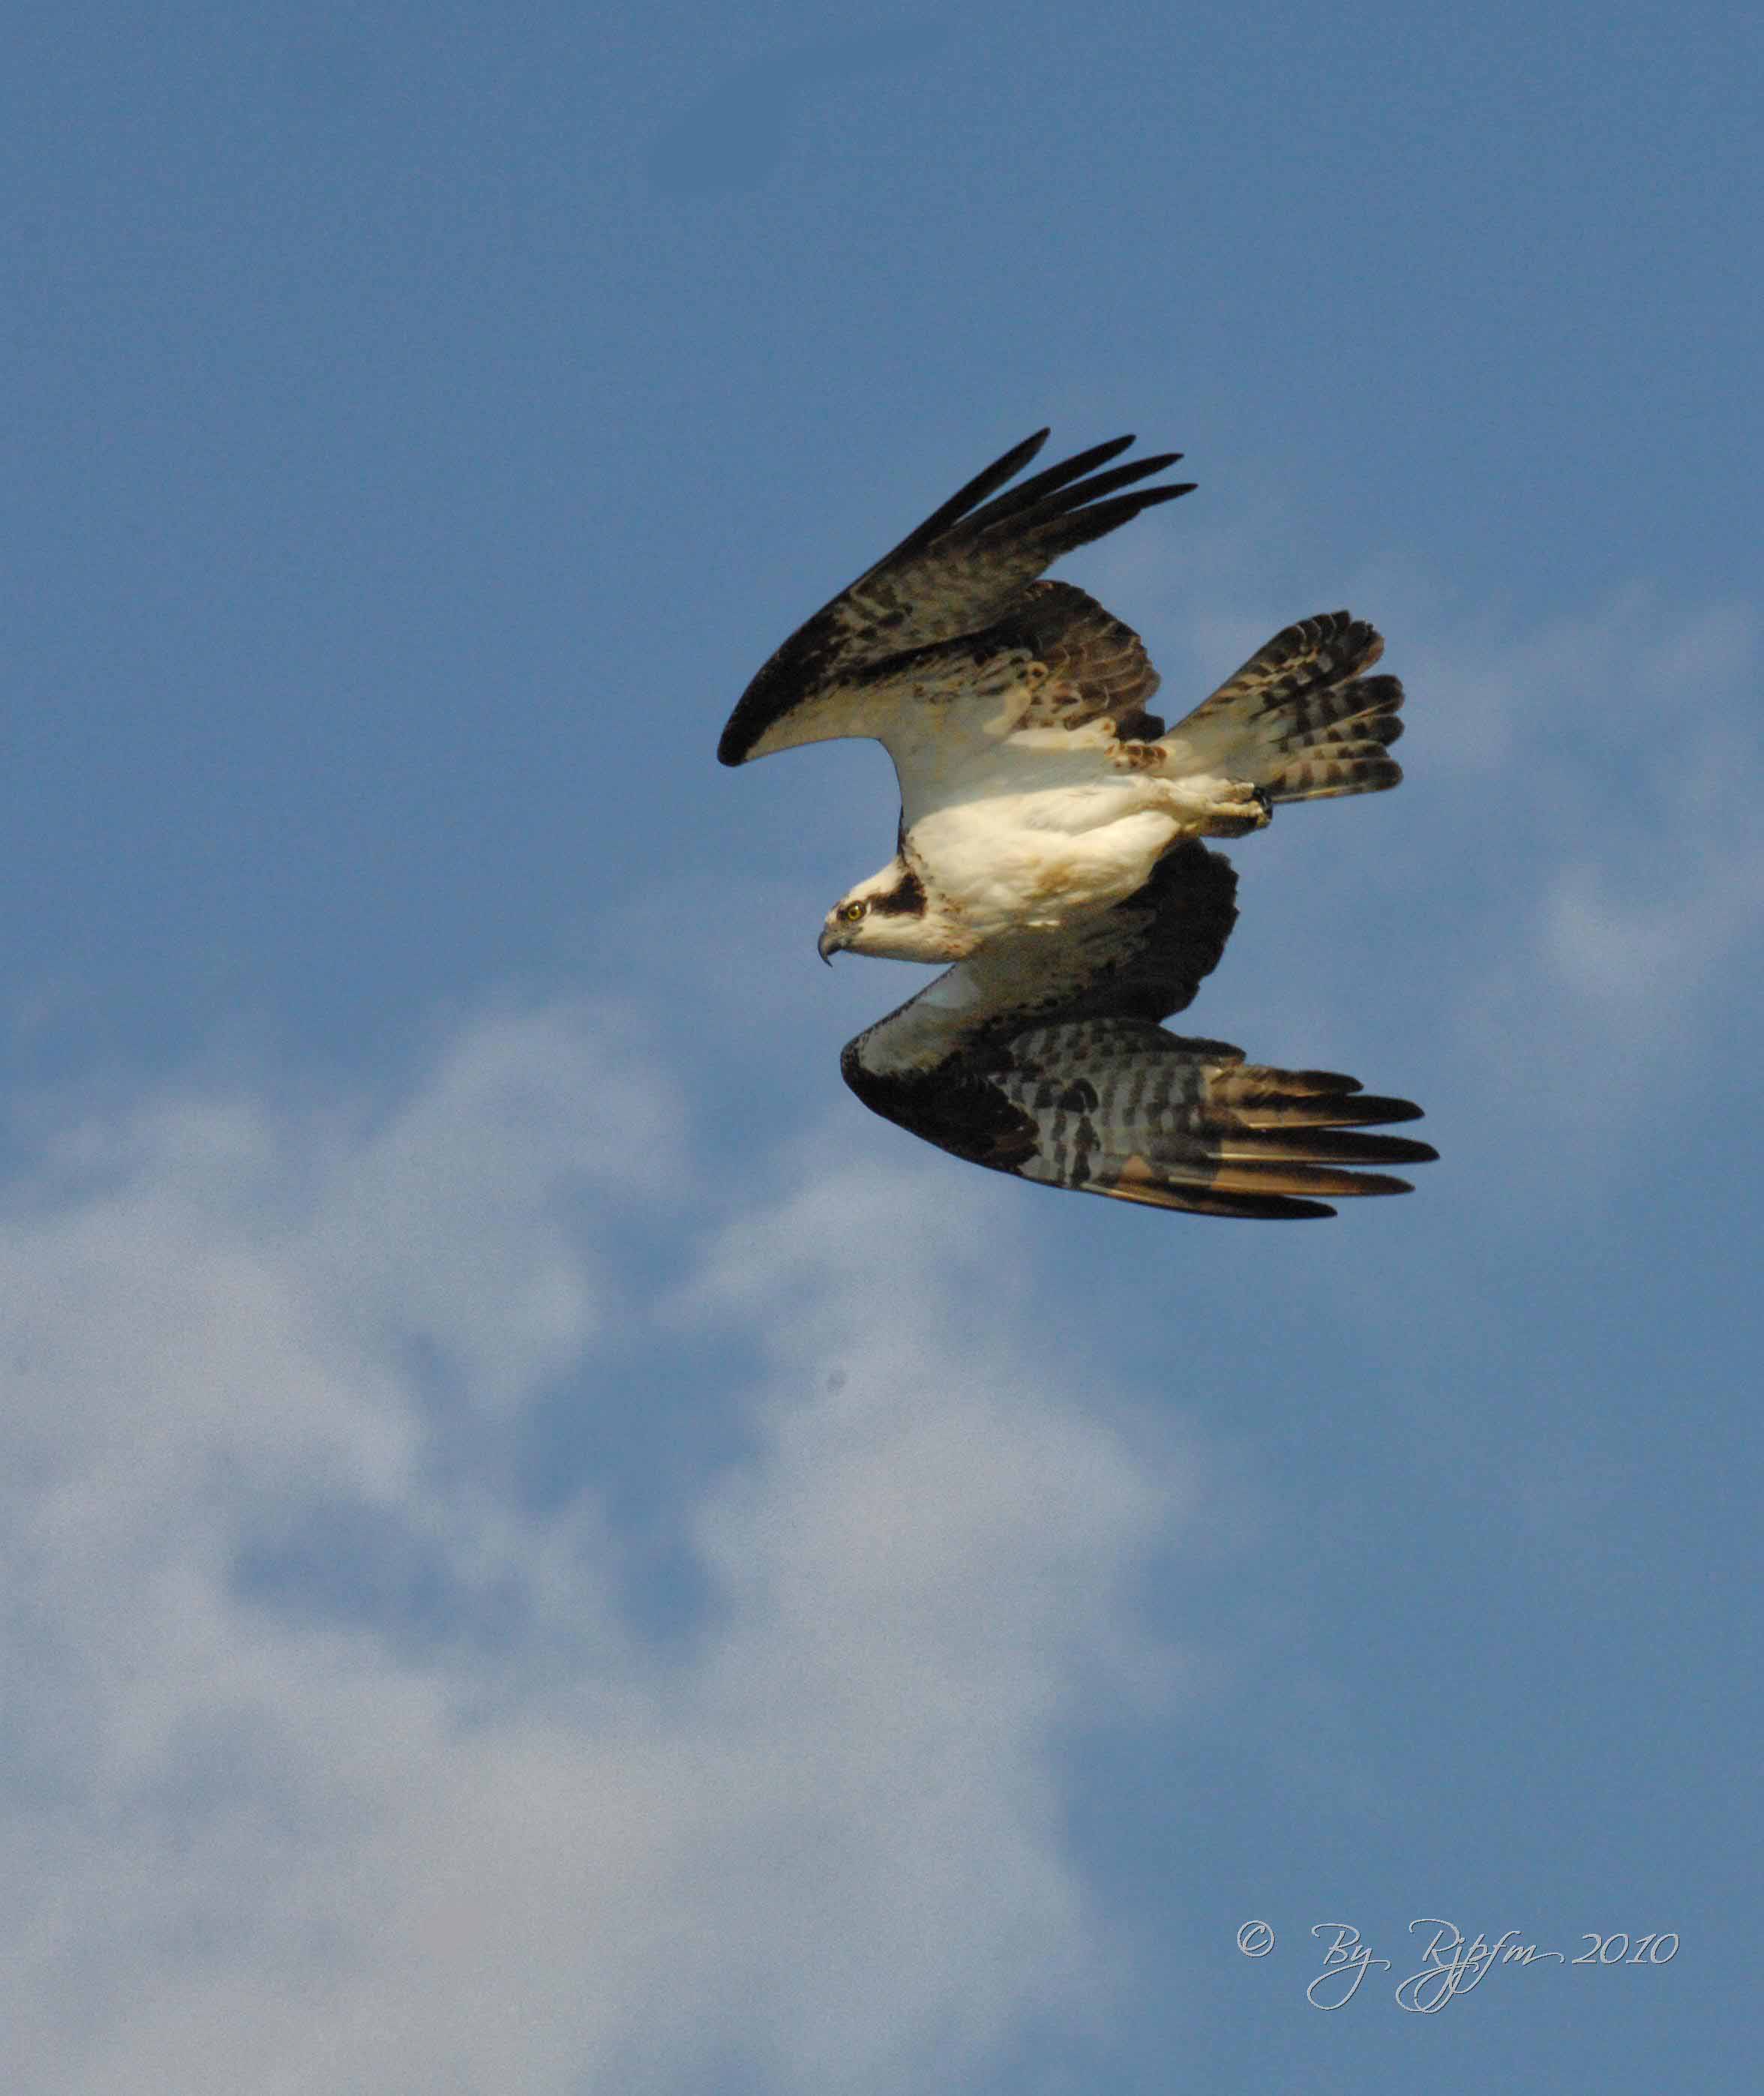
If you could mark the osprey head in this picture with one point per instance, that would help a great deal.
(891, 916)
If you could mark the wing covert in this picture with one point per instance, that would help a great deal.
(959, 574)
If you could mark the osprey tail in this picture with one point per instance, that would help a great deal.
(1298, 720)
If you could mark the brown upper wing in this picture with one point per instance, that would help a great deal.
(959, 573)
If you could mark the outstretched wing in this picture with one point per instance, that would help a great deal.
(959, 574)
(1121, 1107)
(1041, 1055)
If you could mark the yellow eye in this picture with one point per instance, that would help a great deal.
(849, 913)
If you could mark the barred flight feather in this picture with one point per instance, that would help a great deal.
(1049, 845)
(1104, 1100)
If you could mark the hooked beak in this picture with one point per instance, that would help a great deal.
(828, 944)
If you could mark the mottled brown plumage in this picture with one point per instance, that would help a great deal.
(1036, 783)
(955, 575)
(1048, 846)
(1096, 665)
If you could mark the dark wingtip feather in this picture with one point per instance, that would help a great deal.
(1377, 1109)
(972, 493)
(1321, 1081)
(1013, 460)
(1118, 508)
(1050, 493)
(1041, 487)
(1066, 534)
(1262, 1207)
(1195, 1200)
(1304, 1145)
(1391, 1149)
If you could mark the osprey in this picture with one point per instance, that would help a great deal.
(1050, 847)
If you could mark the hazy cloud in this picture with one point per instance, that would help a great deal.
(260, 1840)
(1579, 850)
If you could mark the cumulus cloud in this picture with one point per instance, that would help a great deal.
(334, 1759)
(267, 1826)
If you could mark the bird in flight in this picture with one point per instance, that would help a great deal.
(1050, 847)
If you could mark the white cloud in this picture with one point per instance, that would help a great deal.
(1575, 872)
(1620, 877)
(263, 1833)
(252, 1844)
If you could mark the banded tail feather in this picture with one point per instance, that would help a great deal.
(1048, 846)
(1300, 719)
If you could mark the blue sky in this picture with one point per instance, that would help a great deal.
(545, 1549)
